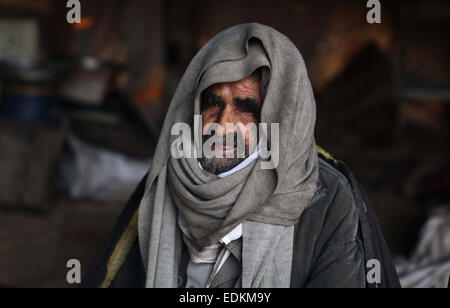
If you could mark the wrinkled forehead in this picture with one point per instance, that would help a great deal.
(249, 84)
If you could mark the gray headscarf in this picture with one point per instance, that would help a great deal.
(268, 202)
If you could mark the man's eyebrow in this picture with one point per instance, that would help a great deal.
(209, 95)
(247, 100)
(249, 103)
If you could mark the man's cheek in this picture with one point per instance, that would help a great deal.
(248, 117)
(250, 133)
(208, 116)
(206, 127)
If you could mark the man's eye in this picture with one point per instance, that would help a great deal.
(213, 103)
(248, 106)
(210, 102)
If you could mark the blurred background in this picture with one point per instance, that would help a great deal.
(81, 106)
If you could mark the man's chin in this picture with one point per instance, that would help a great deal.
(219, 165)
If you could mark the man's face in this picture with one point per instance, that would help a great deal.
(237, 103)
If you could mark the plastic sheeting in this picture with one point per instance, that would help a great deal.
(429, 266)
(90, 172)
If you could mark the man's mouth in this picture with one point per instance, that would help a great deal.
(223, 149)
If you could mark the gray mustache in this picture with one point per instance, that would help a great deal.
(236, 137)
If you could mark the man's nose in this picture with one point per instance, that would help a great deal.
(227, 116)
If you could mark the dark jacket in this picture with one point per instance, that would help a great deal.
(335, 238)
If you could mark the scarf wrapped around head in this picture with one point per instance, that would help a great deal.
(268, 202)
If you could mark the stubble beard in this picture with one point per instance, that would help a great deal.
(217, 166)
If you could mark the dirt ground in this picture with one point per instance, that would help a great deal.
(35, 247)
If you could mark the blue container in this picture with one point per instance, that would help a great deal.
(28, 91)
(30, 107)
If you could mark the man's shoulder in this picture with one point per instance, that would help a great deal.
(331, 176)
(326, 235)
(334, 192)
(333, 213)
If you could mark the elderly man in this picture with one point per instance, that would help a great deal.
(262, 210)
